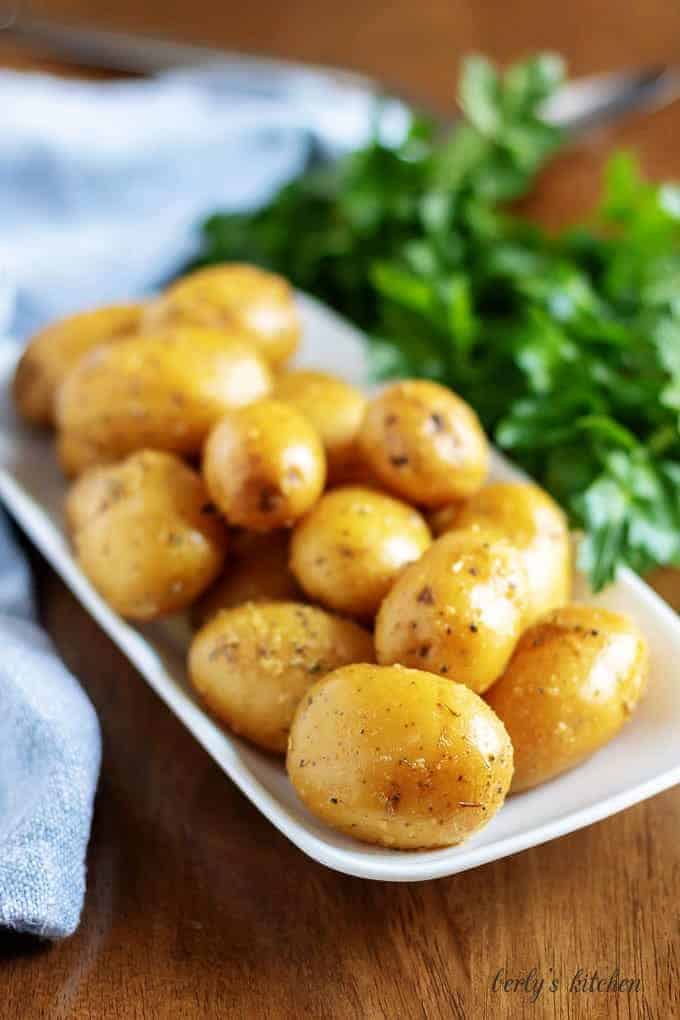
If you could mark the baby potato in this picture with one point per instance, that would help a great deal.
(261, 574)
(162, 391)
(264, 465)
(398, 757)
(457, 611)
(220, 297)
(252, 665)
(527, 516)
(52, 353)
(348, 551)
(145, 535)
(334, 408)
(424, 443)
(572, 683)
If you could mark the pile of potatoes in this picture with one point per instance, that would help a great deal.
(364, 602)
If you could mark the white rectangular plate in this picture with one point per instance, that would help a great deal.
(643, 760)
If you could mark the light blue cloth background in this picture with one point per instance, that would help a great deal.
(49, 762)
(102, 185)
(101, 190)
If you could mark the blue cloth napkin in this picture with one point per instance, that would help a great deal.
(49, 762)
(101, 190)
(102, 186)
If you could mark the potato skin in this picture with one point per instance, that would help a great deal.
(334, 408)
(252, 665)
(162, 391)
(255, 301)
(259, 574)
(526, 515)
(145, 534)
(264, 465)
(348, 551)
(55, 350)
(457, 611)
(424, 443)
(398, 757)
(572, 683)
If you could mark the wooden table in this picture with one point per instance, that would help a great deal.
(196, 906)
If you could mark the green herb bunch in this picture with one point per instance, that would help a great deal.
(567, 346)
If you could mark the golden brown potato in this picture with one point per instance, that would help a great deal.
(574, 680)
(53, 352)
(252, 665)
(259, 574)
(349, 550)
(334, 408)
(527, 516)
(398, 757)
(145, 534)
(457, 611)
(264, 465)
(233, 294)
(161, 391)
(424, 443)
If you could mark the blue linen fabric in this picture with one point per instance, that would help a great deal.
(101, 189)
(49, 762)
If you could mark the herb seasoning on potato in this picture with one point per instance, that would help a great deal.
(458, 610)
(55, 350)
(348, 551)
(163, 391)
(527, 516)
(398, 757)
(221, 297)
(145, 534)
(252, 665)
(572, 683)
(424, 443)
(264, 465)
(334, 408)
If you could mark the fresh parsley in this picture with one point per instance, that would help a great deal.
(568, 346)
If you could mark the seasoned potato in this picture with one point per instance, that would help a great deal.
(259, 574)
(424, 443)
(572, 683)
(349, 550)
(54, 351)
(334, 408)
(457, 611)
(527, 516)
(161, 391)
(233, 294)
(264, 465)
(252, 665)
(398, 757)
(145, 534)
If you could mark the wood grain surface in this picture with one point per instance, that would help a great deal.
(196, 906)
